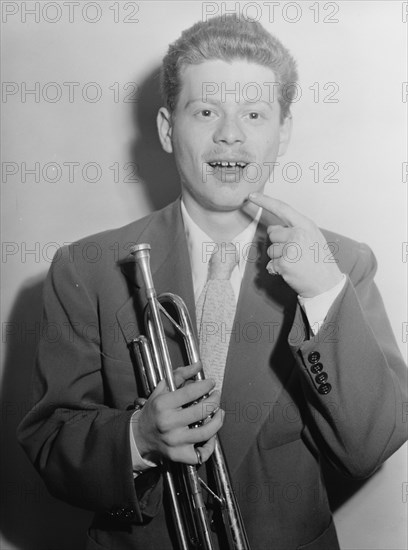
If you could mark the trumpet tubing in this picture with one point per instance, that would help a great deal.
(154, 363)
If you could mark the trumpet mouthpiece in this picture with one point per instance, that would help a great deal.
(141, 253)
(137, 249)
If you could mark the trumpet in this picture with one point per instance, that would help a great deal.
(181, 481)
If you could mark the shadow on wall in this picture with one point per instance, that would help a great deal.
(155, 168)
(30, 518)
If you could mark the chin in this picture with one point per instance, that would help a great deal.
(230, 204)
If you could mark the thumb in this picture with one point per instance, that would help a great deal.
(160, 388)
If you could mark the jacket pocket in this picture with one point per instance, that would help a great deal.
(284, 425)
(325, 541)
(91, 544)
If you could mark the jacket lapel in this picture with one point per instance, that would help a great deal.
(170, 267)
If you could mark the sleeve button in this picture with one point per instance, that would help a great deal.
(128, 513)
(321, 378)
(124, 513)
(316, 368)
(314, 357)
(324, 389)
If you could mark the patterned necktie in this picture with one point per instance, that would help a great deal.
(215, 312)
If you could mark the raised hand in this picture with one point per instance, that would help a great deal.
(299, 252)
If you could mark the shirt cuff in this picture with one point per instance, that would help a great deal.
(317, 308)
(139, 463)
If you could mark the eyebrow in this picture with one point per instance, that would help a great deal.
(200, 100)
(217, 102)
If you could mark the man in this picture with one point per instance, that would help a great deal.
(311, 370)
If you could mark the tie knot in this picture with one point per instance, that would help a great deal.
(223, 261)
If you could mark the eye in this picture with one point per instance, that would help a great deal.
(205, 113)
(253, 116)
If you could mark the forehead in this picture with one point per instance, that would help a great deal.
(221, 81)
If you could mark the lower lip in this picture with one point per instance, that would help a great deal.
(226, 174)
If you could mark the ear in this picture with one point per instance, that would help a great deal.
(164, 128)
(285, 132)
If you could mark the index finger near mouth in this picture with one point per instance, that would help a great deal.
(284, 211)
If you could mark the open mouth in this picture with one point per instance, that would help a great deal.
(227, 164)
(228, 171)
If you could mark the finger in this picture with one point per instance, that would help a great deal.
(159, 389)
(276, 250)
(139, 402)
(189, 392)
(273, 267)
(284, 211)
(206, 430)
(189, 454)
(279, 234)
(181, 374)
(202, 410)
(207, 449)
(199, 458)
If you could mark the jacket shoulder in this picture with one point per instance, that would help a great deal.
(112, 244)
(96, 260)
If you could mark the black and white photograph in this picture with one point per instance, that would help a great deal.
(204, 275)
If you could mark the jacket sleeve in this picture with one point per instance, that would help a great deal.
(79, 445)
(353, 376)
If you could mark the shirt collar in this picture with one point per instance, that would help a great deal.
(201, 246)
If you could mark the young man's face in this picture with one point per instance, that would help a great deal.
(225, 113)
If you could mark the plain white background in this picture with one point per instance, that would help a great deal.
(78, 126)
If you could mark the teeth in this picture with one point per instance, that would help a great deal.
(227, 164)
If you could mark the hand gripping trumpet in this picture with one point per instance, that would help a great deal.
(182, 481)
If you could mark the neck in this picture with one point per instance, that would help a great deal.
(221, 226)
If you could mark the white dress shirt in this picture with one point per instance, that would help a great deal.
(200, 248)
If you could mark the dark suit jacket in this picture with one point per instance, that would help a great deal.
(277, 423)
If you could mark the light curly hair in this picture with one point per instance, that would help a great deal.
(229, 38)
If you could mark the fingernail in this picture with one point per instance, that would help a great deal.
(214, 412)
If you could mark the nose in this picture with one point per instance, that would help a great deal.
(228, 131)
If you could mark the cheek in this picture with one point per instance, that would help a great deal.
(272, 142)
(184, 148)
(187, 162)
